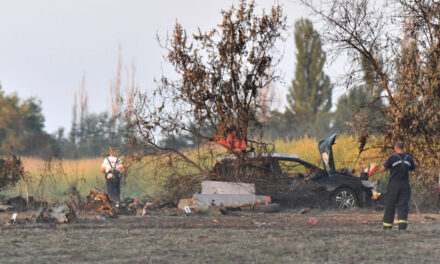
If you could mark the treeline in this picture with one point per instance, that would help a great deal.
(91, 134)
(21, 127)
(22, 131)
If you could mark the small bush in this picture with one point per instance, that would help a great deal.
(11, 171)
(182, 186)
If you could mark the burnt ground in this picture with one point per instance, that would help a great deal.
(353, 236)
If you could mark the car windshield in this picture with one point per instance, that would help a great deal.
(295, 169)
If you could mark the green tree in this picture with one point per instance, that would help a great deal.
(99, 132)
(310, 96)
(362, 104)
(347, 107)
(11, 171)
(21, 127)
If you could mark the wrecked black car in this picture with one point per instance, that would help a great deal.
(287, 178)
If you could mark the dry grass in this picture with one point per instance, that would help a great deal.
(348, 237)
(51, 183)
(345, 151)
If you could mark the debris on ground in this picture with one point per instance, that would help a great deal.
(313, 220)
(267, 208)
(301, 211)
(57, 214)
(187, 210)
(228, 196)
(98, 217)
(427, 217)
(161, 203)
(18, 203)
(228, 199)
(99, 201)
(5, 208)
(14, 216)
(185, 202)
(260, 224)
(73, 199)
(130, 206)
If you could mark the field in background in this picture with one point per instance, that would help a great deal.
(50, 181)
(345, 151)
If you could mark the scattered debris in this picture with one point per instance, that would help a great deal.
(187, 209)
(209, 210)
(14, 216)
(99, 201)
(267, 208)
(427, 217)
(130, 206)
(227, 196)
(57, 214)
(63, 213)
(185, 202)
(18, 203)
(260, 224)
(5, 208)
(228, 199)
(98, 217)
(73, 199)
(303, 211)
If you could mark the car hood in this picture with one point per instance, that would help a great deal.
(325, 149)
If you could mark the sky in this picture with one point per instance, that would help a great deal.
(46, 46)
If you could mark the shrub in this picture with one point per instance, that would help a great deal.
(11, 171)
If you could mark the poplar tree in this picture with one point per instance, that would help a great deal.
(310, 95)
(360, 104)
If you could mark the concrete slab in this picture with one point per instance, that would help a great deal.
(219, 187)
(227, 199)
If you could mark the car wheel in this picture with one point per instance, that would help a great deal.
(344, 198)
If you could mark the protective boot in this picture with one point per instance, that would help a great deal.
(403, 224)
(387, 226)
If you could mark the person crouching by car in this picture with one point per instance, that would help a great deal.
(113, 168)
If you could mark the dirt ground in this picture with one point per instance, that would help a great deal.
(353, 236)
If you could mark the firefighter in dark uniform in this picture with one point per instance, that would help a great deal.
(399, 191)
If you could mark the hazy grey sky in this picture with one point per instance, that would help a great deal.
(47, 45)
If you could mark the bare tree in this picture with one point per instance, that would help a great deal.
(115, 88)
(130, 89)
(221, 74)
(406, 34)
(83, 103)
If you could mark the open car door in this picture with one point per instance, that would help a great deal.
(325, 149)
